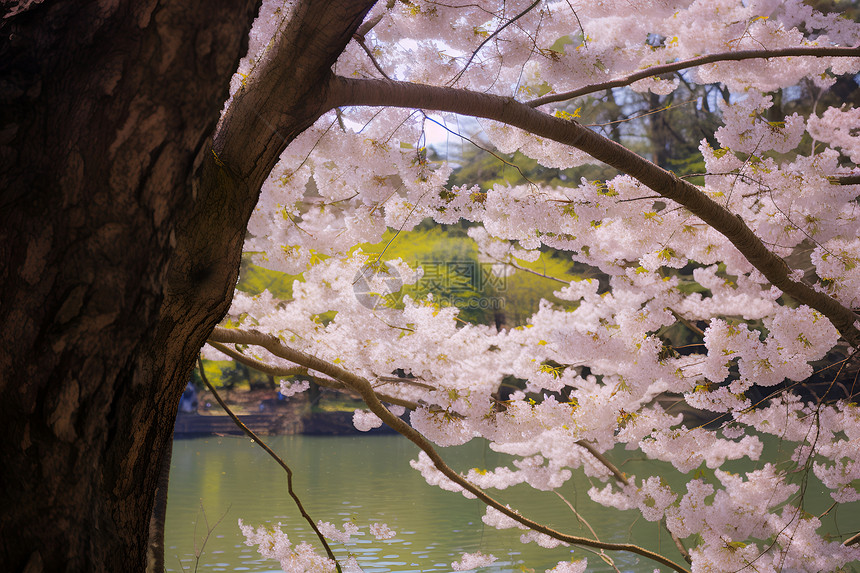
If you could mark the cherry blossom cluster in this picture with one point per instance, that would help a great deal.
(275, 544)
(594, 366)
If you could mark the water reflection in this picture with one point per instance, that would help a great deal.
(368, 479)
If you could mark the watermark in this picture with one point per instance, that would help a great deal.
(472, 302)
(376, 285)
(464, 284)
(460, 276)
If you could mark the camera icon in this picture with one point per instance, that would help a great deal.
(376, 285)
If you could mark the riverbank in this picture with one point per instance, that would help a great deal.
(266, 413)
(325, 413)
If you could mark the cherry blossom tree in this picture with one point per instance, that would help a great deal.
(125, 203)
(120, 243)
(593, 369)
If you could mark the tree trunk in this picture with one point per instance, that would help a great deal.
(120, 238)
(105, 108)
(158, 518)
(658, 134)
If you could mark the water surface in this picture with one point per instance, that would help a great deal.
(368, 479)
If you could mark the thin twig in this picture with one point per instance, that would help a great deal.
(257, 364)
(845, 180)
(327, 382)
(641, 115)
(581, 29)
(542, 275)
(490, 37)
(408, 381)
(619, 475)
(692, 63)
(606, 558)
(623, 479)
(482, 148)
(360, 42)
(687, 323)
(679, 545)
(274, 456)
(209, 530)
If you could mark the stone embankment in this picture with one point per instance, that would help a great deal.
(265, 414)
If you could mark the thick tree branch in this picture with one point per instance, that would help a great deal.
(367, 26)
(337, 385)
(257, 125)
(695, 62)
(271, 346)
(352, 92)
(332, 383)
(846, 180)
(258, 365)
(365, 389)
(292, 371)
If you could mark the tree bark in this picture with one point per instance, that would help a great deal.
(158, 518)
(122, 219)
(105, 108)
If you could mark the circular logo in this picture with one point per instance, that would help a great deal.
(376, 285)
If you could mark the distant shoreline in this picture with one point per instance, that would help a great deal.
(271, 424)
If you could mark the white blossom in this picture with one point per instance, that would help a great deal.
(365, 420)
(596, 365)
(472, 561)
(381, 531)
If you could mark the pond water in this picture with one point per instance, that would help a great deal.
(368, 479)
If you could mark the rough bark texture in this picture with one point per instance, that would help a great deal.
(120, 238)
(105, 107)
(158, 519)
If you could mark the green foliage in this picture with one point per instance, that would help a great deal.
(486, 169)
(231, 375)
(455, 276)
(254, 280)
(452, 272)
